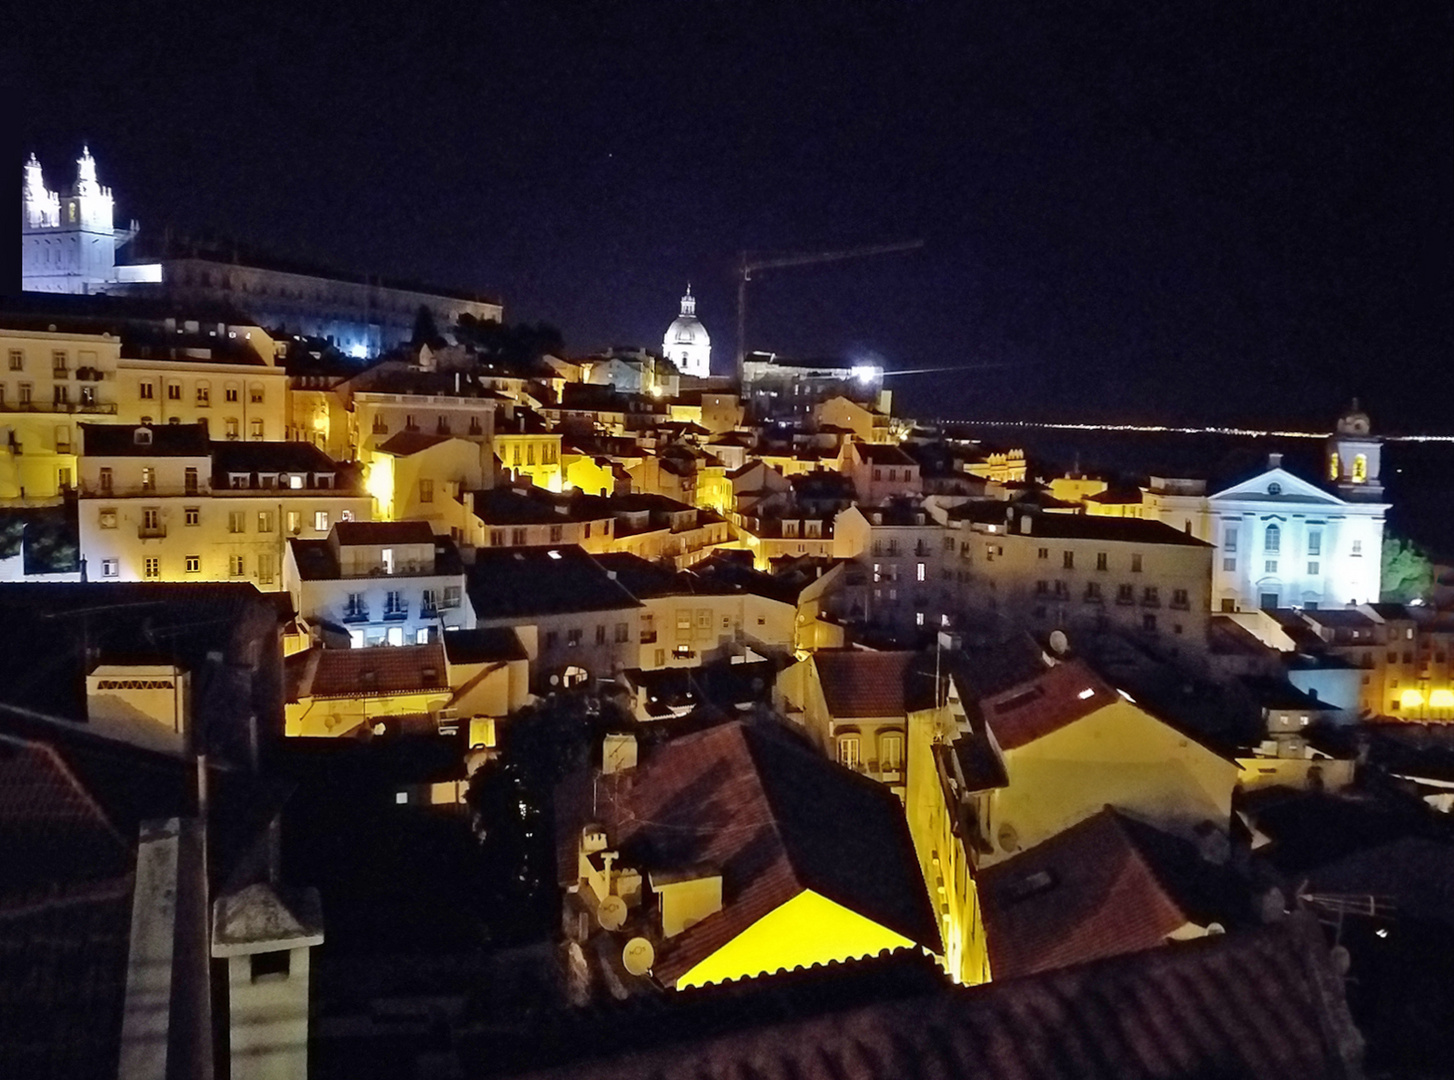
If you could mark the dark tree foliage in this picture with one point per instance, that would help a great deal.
(425, 330)
(520, 345)
(512, 802)
(1407, 572)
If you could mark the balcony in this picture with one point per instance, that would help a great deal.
(107, 408)
(648, 637)
(397, 613)
(152, 532)
(356, 615)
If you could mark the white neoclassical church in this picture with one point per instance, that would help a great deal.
(687, 343)
(1283, 541)
(68, 242)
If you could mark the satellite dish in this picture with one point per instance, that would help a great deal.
(1059, 643)
(638, 956)
(612, 913)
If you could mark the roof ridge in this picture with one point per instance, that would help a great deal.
(59, 764)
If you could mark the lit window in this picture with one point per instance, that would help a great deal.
(194, 564)
(1333, 465)
(320, 520)
(110, 567)
(920, 572)
(848, 751)
(151, 569)
(237, 566)
(1360, 469)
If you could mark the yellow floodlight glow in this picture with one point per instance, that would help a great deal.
(1442, 699)
(1410, 699)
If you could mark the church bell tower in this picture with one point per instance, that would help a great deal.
(1353, 457)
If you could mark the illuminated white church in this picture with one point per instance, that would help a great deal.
(68, 243)
(1283, 541)
(687, 343)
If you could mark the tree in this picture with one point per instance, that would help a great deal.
(425, 330)
(1407, 573)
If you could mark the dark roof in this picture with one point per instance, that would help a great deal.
(405, 443)
(522, 582)
(1112, 530)
(1346, 618)
(167, 440)
(1416, 873)
(993, 669)
(1106, 886)
(1265, 1003)
(360, 533)
(271, 457)
(883, 454)
(861, 683)
(374, 672)
(536, 506)
(773, 814)
(484, 646)
(116, 315)
(1057, 697)
(1270, 693)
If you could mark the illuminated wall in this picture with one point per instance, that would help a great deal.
(809, 929)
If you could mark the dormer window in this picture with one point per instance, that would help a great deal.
(295, 482)
(323, 480)
(237, 481)
(142, 436)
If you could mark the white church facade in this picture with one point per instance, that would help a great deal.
(687, 343)
(1283, 541)
(69, 245)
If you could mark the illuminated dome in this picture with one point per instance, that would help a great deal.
(687, 343)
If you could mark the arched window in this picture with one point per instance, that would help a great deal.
(1360, 469)
(1273, 541)
(1333, 465)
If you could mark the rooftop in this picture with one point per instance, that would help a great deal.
(1054, 699)
(375, 672)
(483, 646)
(158, 440)
(524, 582)
(773, 814)
(858, 683)
(1114, 530)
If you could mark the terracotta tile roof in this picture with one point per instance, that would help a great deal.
(859, 683)
(773, 814)
(51, 829)
(1261, 1004)
(1106, 886)
(383, 532)
(375, 672)
(1031, 710)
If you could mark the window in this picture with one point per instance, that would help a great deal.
(236, 566)
(600, 633)
(174, 391)
(1229, 565)
(194, 564)
(59, 363)
(919, 572)
(1125, 594)
(320, 520)
(1313, 568)
(1067, 560)
(151, 569)
(231, 429)
(1179, 598)
(1272, 540)
(147, 389)
(573, 637)
(148, 478)
(108, 519)
(236, 521)
(204, 395)
(848, 751)
(271, 966)
(1333, 465)
(256, 429)
(229, 394)
(1315, 541)
(1270, 566)
(25, 389)
(622, 632)
(106, 480)
(189, 481)
(1357, 547)
(519, 537)
(557, 533)
(1093, 591)
(266, 571)
(61, 395)
(426, 491)
(1360, 469)
(1148, 622)
(891, 752)
(1102, 561)
(295, 522)
(17, 360)
(255, 394)
(497, 537)
(110, 568)
(88, 395)
(918, 618)
(1135, 564)
(151, 518)
(1229, 539)
(264, 521)
(1044, 553)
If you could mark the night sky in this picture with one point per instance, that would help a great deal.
(1176, 211)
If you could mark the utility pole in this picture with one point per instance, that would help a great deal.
(747, 266)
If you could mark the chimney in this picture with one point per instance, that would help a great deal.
(1274, 461)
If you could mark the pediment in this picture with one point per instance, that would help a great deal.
(1277, 486)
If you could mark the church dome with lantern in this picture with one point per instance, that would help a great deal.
(687, 343)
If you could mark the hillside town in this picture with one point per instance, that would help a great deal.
(391, 690)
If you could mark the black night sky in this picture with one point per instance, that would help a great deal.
(1176, 211)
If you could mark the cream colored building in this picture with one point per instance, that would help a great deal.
(415, 476)
(167, 504)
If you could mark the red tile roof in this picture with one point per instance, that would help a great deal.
(859, 683)
(1106, 886)
(373, 672)
(1031, 710)
(773, 814)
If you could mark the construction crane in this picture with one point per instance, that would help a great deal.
(747, 266)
